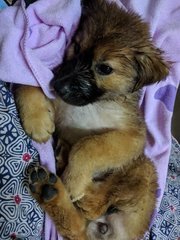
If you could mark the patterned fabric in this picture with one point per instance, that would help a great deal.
(167, 223)
(20, 216)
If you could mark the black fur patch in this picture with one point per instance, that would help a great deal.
(74, 82)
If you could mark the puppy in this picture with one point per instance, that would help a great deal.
(97, 116)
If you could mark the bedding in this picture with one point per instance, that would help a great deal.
(20, 216)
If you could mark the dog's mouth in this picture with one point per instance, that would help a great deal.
(74, 83)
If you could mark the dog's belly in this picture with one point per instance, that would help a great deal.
(77, 122)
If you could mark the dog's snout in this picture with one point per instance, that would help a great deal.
(77, 90)
(62, 87)
(75, 84)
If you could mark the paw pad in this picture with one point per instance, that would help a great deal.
(48, 192)
(42, 184)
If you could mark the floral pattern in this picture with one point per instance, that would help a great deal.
(166, 225)
(20, 216)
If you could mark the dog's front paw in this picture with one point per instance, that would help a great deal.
(38, 122)
(36, 112)
(43, 185)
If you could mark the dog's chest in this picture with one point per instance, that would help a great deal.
(77, 122)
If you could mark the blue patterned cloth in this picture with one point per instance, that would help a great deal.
(20, 216)
(167, 222)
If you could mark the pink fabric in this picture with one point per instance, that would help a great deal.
(157, 101)
(33, 41)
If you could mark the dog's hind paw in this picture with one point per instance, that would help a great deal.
(43, 185)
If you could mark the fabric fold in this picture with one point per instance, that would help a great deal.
(33, 40)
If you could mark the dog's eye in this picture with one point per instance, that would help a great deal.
(77, 48)
(103, 69)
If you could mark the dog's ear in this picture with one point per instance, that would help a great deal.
(150, 67)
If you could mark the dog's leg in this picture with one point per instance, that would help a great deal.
(36, 112)
(136, 199)
(128, 198)
(100, 153)
(96, 200)
(50, 193)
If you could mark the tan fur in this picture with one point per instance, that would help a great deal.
(131, 190)
(36, 112)
(106, 135)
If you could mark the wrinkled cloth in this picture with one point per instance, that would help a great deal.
(28, 64)
(33, 40)
(32, 43)
(157, 100)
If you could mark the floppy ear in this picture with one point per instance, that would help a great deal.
(150, 66)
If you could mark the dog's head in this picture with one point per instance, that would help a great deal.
(111, 54)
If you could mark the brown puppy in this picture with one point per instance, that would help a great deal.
(97, 115)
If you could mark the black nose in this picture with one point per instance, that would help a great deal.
(62, 87)
(69, 90)
(77, 90)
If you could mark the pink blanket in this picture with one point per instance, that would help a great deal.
(33, 41)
